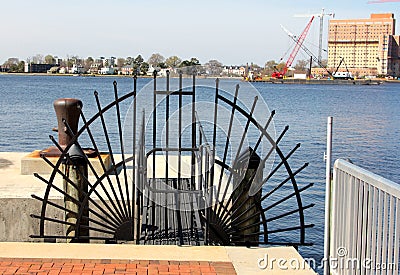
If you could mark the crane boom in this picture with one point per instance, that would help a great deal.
(307, 51)
(298, 45)
(296, 49)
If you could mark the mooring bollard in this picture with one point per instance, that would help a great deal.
(245, 202)
(74, 167)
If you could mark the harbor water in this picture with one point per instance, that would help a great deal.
(366, 127)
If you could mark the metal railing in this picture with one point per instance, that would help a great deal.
(365, 222)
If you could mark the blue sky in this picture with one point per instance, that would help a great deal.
(233, 32)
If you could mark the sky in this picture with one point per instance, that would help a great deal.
(231, 31)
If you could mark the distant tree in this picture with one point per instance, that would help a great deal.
(14, 65)
(49, 59)
(137, 63)
(192, 62)
(214, 67)
(270, 65)
(88, 63)
(21, 67)
(11, 61)
(144, 68)
(70, 62)
(129, 60)
(120, 62)
(156, 59)
(38, 59)
(301, 65)
(139, 60)
(173, 61)
(280, 66)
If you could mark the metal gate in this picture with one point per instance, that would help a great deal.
(183, 183)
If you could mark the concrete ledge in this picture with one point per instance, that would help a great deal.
(33, 163)
(245, 260)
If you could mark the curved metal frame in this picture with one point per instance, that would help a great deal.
(213, 225)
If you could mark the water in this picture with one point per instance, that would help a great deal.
(366, 125)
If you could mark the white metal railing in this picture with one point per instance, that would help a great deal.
(365, 222)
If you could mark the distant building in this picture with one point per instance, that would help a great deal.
(233, 70)
(107, 70)
(127, 70)
(366, 46)
(38, 68)
(77, 69)
(4, 69)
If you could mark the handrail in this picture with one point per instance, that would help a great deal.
(365, 222)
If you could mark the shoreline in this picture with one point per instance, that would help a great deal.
(112, 75)
(270, 80)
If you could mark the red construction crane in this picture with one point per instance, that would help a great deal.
(296, 49)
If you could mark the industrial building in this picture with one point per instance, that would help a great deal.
(365, 46)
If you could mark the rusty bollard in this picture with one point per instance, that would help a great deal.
(75, 168)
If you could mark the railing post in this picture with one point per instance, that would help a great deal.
(328, 160)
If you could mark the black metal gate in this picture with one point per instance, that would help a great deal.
(175, 188)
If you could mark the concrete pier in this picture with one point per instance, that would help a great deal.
(16, 247)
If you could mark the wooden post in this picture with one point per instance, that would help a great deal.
(241, 194)
(76, 171)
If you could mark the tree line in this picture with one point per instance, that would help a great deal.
(139, 64)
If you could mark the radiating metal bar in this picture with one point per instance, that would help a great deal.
(56, 143)
(228, 136)
(282, 183)
(290, 213)
(76, 213)
(272, 219)
(282, 134)
(269, 193)
(269, 207)
(224, 216)
(57, 189)
(94, 172)
(117, 218)
(121, 141)
(274, 231)
(71, 224)
(214, 139)
(288, 197)
(72, 183)
(111, 156)
(238, 151)
(117, 208)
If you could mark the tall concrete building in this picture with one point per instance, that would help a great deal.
(367, 46)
